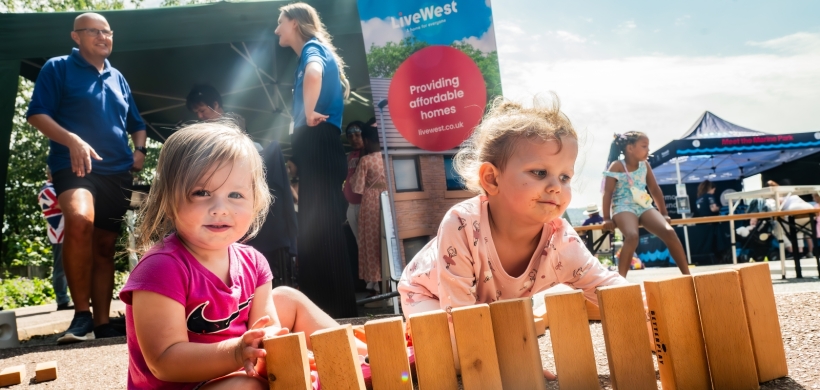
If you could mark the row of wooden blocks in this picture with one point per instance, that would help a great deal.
(43, 372)
(716, 330)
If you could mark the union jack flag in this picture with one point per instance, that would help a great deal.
(52, 213)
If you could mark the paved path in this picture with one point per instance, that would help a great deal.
(45, 320)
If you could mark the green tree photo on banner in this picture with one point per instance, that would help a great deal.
(383, 61)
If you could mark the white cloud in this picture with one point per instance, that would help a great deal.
(509, 28)
(681, 21)
(625, 27)
(795, 43)
(664, 95)
(380, 32)
(486, 43)
(569, 37)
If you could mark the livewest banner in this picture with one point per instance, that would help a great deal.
(440, 62)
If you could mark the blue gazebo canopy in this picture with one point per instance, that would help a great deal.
(718, 150)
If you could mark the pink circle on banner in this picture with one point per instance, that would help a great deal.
(436, 98)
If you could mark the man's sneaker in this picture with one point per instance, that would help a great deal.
(65, 306)
(105, 331)
(81, 329)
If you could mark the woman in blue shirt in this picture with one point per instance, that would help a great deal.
(319, 89)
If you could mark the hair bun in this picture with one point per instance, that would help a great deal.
(506, 107)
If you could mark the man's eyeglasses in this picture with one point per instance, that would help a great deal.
(93, 32)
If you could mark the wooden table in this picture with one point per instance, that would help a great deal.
(779, 193)
(787, 217)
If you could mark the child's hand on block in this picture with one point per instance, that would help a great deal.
(247, 351)
(261, 366)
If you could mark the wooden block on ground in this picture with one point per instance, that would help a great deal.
(475, 344)
(46, 371)
(623, 320)
(725, 331)
(287, 362)
(12, 375)
(337, 360)
(435, 367)
(516, 344)
(571, 341)
(540, 311)
(387, 350)
(764, 324)
(540, 327)
(358, 332)
(679, 347)
(593, 312)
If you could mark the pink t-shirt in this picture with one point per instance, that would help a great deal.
(460, 267)
(214, 311)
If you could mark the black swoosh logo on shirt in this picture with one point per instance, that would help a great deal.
(197, 323)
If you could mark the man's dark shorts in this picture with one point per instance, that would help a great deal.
(112, 194)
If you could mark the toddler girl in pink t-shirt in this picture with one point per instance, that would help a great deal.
(509, 241)
(199, 303)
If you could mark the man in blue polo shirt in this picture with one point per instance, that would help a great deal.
(85, 107)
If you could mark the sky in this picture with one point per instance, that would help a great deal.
(657, 66)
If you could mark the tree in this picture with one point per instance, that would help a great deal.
(383, 61)
(65, 5)
(24, 229)
(488, 64)
(174, 3)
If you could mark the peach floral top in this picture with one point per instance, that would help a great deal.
(460, 267)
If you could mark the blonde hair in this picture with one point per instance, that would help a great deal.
(186, 157)
(507, 123)
(310, 26)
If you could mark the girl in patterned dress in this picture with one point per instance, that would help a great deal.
(625, 198)
(510, 240)
(370, 182)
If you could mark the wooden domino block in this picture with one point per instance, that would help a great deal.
(593, 312)
(435, 366)
(675, 321)
(12, 375)
(764, 324)
(475, 344)
(45, 372)
(337, 359)
(387, 350)
(571, 341)
(725, 331)
(623, 320)
(516, 343)
(540, 326)
(287, 362)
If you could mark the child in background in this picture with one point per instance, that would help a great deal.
(54, 217)
(626, 200)
(509, 241)
(198, 303)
